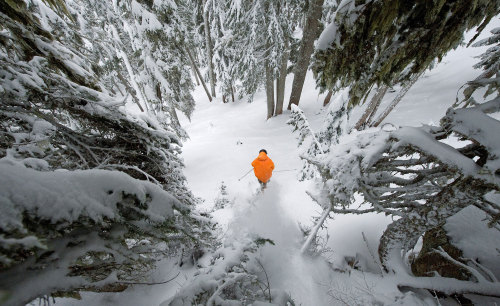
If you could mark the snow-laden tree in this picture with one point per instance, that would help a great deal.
(411, 174)
(197, 17)
(234, 276)
(388, 42)
(91, 196)
(490, 62)
(252, 40)
(317, 143)
(139, 53)
(225, 47)
(416, 176)
(307, 140)
(222, 200)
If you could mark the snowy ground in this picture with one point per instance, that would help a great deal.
(225, 138)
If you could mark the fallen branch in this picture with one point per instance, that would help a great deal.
(451, 286)
(314, 231)
(372, 254)
(150, 284)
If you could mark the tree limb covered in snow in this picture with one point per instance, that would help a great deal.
(65, 223)
(413, 174)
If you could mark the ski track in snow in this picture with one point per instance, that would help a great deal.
(224, 140)
(265, 215)
(229, 136)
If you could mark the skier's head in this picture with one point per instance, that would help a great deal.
(263, 150)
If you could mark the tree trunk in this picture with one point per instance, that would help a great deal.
(278, 111)
(309, 35)
(375, 109)
(117, 87)
(328, 98)
(396, 100)
(198, 72)
(372, 107)
(232, 92)
(195, 74)
(173, 116)
(208, 43)
(269, 90)
(280, 81)
(129, 89)
(159, 95)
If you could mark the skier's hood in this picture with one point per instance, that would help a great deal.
(262, 156)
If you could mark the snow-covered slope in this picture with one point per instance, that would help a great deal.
(225, 138)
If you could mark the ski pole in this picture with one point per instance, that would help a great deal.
(284, 170)
(245, 174)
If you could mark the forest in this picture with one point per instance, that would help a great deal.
(127, 128)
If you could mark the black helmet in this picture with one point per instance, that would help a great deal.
(263, 150)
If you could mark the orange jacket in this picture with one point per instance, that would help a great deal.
(263, 167)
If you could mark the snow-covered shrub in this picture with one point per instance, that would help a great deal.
(90, 194)
(234, 276)
(335, 124)
(222, 200)
(82, 229)
(314, 144)
(306, 138)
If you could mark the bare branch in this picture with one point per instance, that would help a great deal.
(480, 278)
(152, 283)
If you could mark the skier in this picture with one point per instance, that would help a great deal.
(263, 168)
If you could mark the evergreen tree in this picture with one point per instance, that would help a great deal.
(251, 41)
(414, 175)
(208, 43)
(307, 139)
(222, 199)
(141, 55)
(490, 61)
(91, 196)
(384, 42)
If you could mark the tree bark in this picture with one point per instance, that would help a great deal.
(372, 107)
(328, 98)
(208, 43)
(129, 89)
(191, 59)
(174, 117)
(232, 92)
(396, 100)
(280, 81)
(309, 35)
(269, 90)
(375, 109)
(159, 95)
(195, 74)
